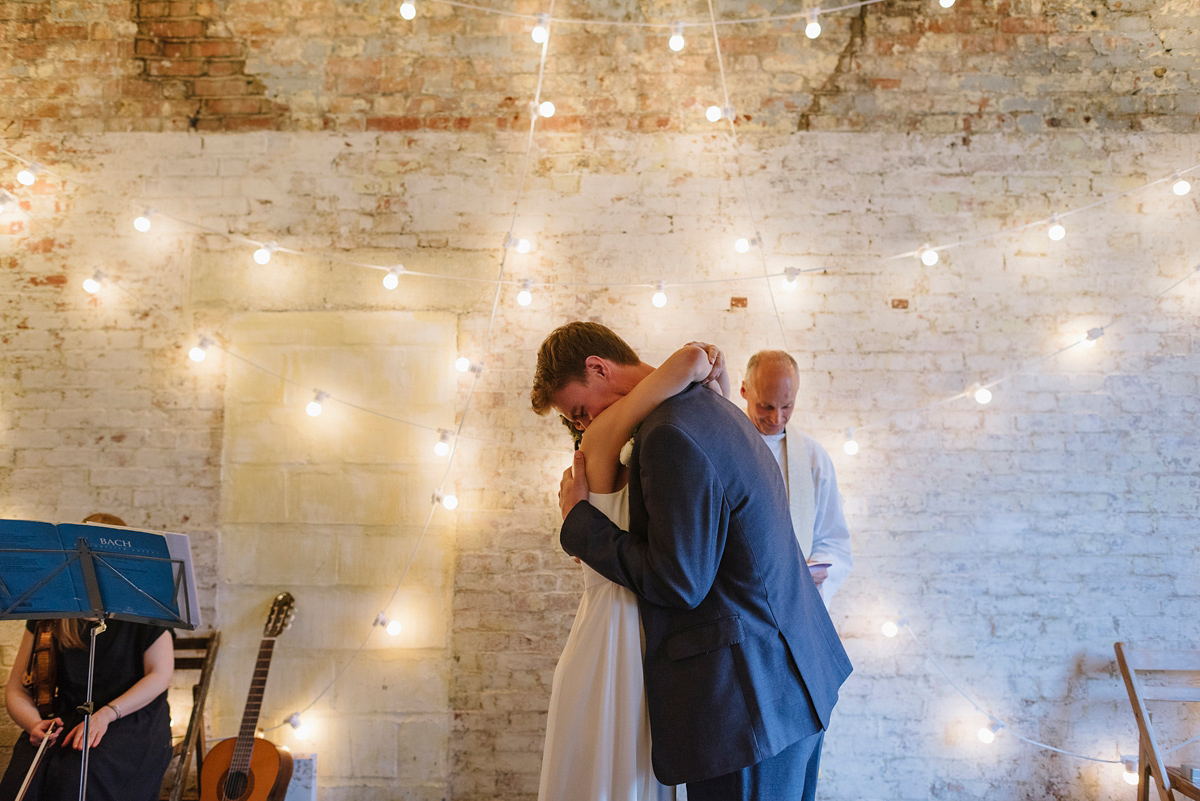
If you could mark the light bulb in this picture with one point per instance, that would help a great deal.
(890, 629)
(1181, 186)
(446, 500)
(394, 628)
(93, 284)
(742, 245)
(525, 296)
(676, 41)
(659, 298)
(263, 254)
(789, 278)
(540, 33)
(987, 734)
(945, 3)
(198, 353)
(442, 446)
(462, 364)
(142, 221)
(1056, 230)
(1130, 774)
(300, 729)
(314, 406)
(929, 256)
(392, 279)
(28, 175)
(850, 446)
(408, 10)
(1092, 335)
(545, 109)
(813, 29)
(713, 114)
(983, 395)
(523, 246)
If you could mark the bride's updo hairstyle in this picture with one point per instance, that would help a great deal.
(561, 359)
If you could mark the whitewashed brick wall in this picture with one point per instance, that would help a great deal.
(1020, 539)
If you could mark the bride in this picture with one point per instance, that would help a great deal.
(597, 730)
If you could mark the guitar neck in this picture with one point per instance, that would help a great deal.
(245, 739)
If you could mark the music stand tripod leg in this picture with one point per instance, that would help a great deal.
(87, 710)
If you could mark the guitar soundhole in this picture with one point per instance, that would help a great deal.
(237, 785)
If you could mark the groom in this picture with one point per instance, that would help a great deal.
(742, 664)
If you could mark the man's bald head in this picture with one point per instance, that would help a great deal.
(772, 379)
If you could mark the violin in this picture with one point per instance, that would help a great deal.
(41, 675)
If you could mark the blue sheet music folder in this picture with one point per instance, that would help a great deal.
(134, 572)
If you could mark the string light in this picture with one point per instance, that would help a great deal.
(541, 31)
(28, 175)
(983, 395)
(945, 3)
(676, 41)
(928, 255)
(198, 353)
(1092, 335)
(525, 296)
(314, 406)
(300, 729)
(659, 298)
(1056, 231)
(789, 278)
(442, 446)
(93, 283)
(1180, 185)
(447, 500)
(408, 9)
(463, 365)
(987, 734)
(813, 29)
(713, 113)
(263, 254)
(1130, 765)
(742, 245)
(5, 199)
(392, 627)
(545, 109)
(142, 221)
(392, 279)
(519, 245)
(891, 628)
(850, 446)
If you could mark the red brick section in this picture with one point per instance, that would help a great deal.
(187, 60)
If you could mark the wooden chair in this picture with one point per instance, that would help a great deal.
(1169, 665)
(193, 653)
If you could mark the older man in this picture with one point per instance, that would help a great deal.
(769, 388)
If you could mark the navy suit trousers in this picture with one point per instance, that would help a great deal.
(790, 775)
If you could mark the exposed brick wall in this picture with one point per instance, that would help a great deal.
(897, 66)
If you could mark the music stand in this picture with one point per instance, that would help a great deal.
(62, 599)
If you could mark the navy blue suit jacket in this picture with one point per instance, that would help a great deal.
(741, 657)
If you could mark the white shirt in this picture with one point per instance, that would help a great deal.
(831, 536)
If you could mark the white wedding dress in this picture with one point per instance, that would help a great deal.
(597, 731)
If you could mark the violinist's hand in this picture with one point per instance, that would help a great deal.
(38, 732)
(100, 720)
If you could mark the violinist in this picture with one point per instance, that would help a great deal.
(130, 730)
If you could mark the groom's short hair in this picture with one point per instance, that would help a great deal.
(561, 359)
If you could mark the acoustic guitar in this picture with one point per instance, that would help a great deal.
(249, 768)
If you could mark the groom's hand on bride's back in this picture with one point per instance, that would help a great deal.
(574, 486)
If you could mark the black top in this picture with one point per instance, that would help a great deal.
(120, 650)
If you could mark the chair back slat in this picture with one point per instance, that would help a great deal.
(1141, 659)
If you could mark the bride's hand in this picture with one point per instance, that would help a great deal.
(718, 376)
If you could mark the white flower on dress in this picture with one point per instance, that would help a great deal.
(626, 452)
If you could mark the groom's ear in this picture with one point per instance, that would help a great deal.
(594, 365)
